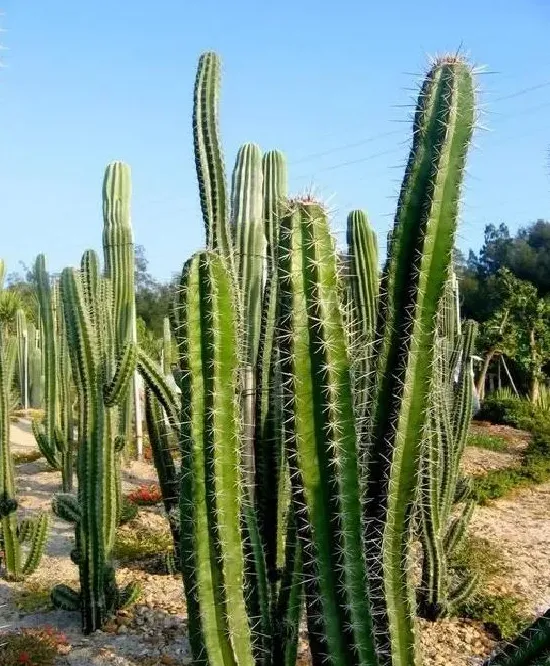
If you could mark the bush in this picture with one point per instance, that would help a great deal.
(30, 647)
(139, 544)
(146, 495)
(504, 408)
(503, 615)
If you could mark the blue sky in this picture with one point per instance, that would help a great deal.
(88, 82)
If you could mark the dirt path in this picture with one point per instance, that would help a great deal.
(154, 632)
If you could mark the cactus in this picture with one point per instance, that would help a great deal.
(22, 357)
(321, 439)
(208, 156)
(55, 437)
(363, 281)
(451, 412)
(101, 378)
(211, 496)
(161, 445)
(118, 251)
(14, 535)
(412, 285)
(530, 648)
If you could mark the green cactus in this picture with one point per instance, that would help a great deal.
(166, 347)
(101, 378)
(119, 259)
(451, 412)
(208, 156)
(163, 459)
(54, 437)
(211, 497)
(321, 438)
(22, 357)
(530, 648)
(14, 535)
(363, 281)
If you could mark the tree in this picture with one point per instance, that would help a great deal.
(153, 298)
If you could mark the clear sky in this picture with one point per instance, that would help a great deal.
(326, 82)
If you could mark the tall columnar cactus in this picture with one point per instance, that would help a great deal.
(119, 258)
(22, 357)
(36, 377)
(102, 379)
(211, 492)
(54, 437)
(442, 485)
(14, 534)
(363, 280)
(321, 439)
(166, 347)
(413, 282)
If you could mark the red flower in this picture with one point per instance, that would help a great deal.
(24, 658)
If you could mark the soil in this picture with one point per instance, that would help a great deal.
(154, 630)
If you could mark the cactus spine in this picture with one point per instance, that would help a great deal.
(102, 380)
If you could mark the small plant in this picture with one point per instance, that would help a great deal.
(505, 408)
(31, 647)
(533, 469)
(33, 596)
(23, 457)
(503, 615)
(139, 544)
(146, 495)
(483, 440)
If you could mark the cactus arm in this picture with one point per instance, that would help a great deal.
(413, 282)
(321, 437)
(156, 382)
(164, 464)
(208, 155)
(37, 539)
(118, 388)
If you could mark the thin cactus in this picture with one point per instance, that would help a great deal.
(208, 156)
(166, 347)
(363, 281)
(451, 413)
(13, 535)
(22, 357)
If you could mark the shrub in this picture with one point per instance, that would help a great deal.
(484, 440)
(128, 511)
(504, 408)
(139, 544)
(22, 457)
(30, 647)
(146, 495)
(503, 615)
(33, 596)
